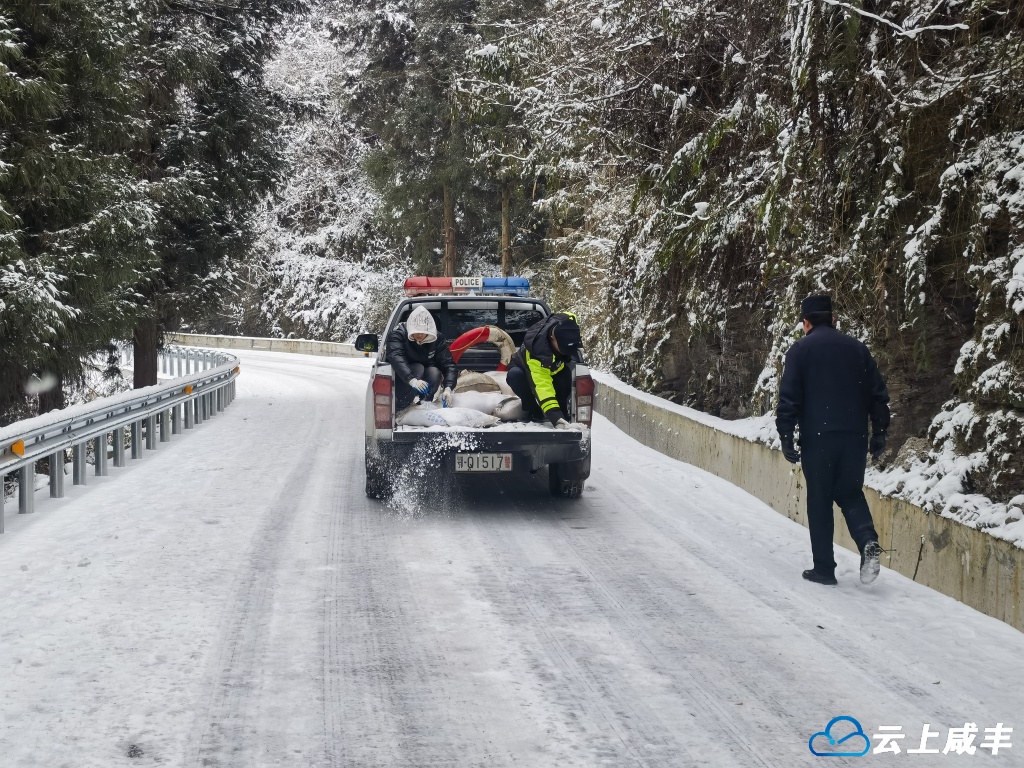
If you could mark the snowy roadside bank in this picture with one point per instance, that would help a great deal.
(978, 566)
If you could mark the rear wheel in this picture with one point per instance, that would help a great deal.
(378, 484)
(563, 482)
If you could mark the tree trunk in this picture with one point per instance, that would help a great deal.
(49, 400)
(145, 353)
(52, 399)
(450, 259)
(506, 230)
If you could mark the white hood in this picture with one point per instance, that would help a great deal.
(420, 321)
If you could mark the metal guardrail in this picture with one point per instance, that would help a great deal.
(204, 385)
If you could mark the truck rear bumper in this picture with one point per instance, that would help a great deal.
(532, 450)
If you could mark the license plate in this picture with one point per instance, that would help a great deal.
(483, 462)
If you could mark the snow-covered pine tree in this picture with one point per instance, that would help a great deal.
(499, 141)
(211, 152)
(407, 100)
(73, 213)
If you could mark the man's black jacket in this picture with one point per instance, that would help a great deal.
(402, 351)
(541, 364)
(831, 384)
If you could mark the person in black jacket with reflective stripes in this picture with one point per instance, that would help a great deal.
(540, 372)
(831, 389)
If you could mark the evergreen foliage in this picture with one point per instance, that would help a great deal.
(431, 198)
(73, 214)
(136, 139)
(697, 168)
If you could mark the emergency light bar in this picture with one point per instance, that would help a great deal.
(462, 286)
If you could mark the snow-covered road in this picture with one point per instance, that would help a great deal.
(234, 600)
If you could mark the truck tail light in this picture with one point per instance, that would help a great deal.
(382, 393)
(584, 400)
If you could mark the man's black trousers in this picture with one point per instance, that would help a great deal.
(518, 381)
(834, 464)
(404, 394)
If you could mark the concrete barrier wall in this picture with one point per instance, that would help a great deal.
(964, 563)
(297, 346)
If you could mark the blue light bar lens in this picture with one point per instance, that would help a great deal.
(507, 286)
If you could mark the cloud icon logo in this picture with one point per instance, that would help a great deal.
(842, 737)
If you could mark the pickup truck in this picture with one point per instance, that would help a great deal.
(506, 447)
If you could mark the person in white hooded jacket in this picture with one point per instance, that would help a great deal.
(422, 361)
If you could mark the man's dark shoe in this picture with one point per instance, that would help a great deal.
(820, 578)
(869, 562)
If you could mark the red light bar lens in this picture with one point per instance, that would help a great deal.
(428, 286)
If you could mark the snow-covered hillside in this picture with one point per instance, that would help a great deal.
(697, 170)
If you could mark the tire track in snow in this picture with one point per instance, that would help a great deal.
(223, 735)
(847, 655)
(558, 602)
(385, 692)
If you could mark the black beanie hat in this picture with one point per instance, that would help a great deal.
(567, 334)
(812, 305)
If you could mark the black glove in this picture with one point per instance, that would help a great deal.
(789, 450)
(876, 447)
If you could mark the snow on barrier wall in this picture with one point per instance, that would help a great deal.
(296, 346)
(965, 563)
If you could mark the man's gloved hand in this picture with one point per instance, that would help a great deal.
(789, 450)
(419, 385)
(562, 424)
(447, 398)
(877, 445)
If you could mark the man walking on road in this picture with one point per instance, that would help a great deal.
(831, 388)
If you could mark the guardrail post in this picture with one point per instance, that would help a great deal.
(57, 475)
(199, 409)
(118, 441)
(100, 448)
(165, 426)
(27, 489)
(151, 433)
(176, 419)
(220, 400)
(136, 439)
(190, 410)
(78, 473)
(177, 361)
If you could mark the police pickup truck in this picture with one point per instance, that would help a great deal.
(459, 305)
